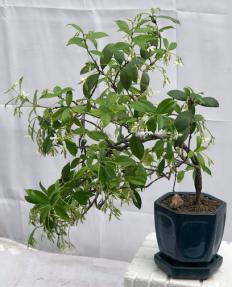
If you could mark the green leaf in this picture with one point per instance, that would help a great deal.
(75, 162)
(57, 90)
(65, 173)
(51, 189)
(71, 147)
(169, 151)
(46, 145)
(182, 138)
(167, 106)
(123, 26)
(147, 158)
(96, 53)
(36, 197)
(76, 41)
(152, 124)
(47, 95)
(198, 118)
(66, 115)
(31, 242)
(166, 28)
(178, 95)
(136, 175)
(144, 82)
(201, 160)
(138, 62)
(136, 147)
(69, 98)
(191, 154)
(145, 54)
(105, 118)
(159, 148)
(121, 46)
(106, 173)
(160, 167)
(166, 43)
(119, 56)
(82, 197)
(42, 187)
(127, 75)
(172, 46)
(61, 212)
(44, 211)
(137, 200)
(180, 176)
(183, 121)
(58, 114)
(97, 135)
(125, 79)
(98, 35)
(160, 122)
(80, 131)
(80, 172)
(143, 106)
(199, 142)
(80, 109)
(169, 18)
(90, 84)
(76, 27)
(209, 102)
(143, 40)
(207, 170)
(102, 174)
(89, 66)
(124, 161)
(133, 70)
(107, 55)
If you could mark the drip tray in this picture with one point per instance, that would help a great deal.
(181, 270)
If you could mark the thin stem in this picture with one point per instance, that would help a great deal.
(174, 184)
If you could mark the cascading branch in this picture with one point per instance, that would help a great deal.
(120, 141)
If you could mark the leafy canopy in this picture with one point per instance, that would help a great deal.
(120, 142)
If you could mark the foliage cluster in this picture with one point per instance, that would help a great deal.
(119, 140)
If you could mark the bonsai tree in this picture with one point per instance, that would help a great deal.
(119, 140)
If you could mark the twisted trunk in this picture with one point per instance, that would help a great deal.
(198, 175)
(197, 180)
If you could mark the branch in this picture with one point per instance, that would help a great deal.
(91, 204)
(158, 178)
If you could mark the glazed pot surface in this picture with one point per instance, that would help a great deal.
(189, 237)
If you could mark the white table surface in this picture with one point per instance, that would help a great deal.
(143, 272)
(23, 267)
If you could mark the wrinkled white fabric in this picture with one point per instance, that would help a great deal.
(33, 36)
(30, 267)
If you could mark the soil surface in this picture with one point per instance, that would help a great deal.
(207, 205)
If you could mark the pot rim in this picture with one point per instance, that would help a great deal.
(158, 202)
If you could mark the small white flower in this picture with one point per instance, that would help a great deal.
(83, 79)
(152, 49)
(145, 133)
(179, 62)
(54, 138)
(23, 96)
(129, 58)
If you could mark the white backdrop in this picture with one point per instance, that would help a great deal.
(33, 35)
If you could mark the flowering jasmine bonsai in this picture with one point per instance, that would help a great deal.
(120, 140)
